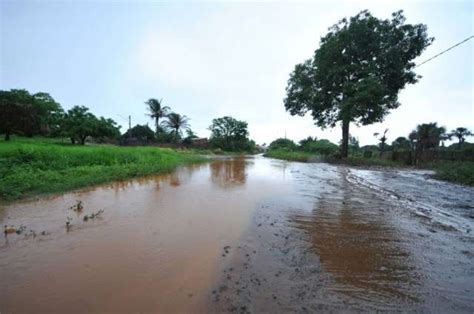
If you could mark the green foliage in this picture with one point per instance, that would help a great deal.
(286, 154)
(458, 172)
(190, 135)
(35, 167)
(156, 111)
(140, 132)
(230, 134)
(282, 144)
(22, 113)
(427, 135)
(321, 147)
(175, 123)
(461, 133)
(78, 124)
(401, 143)
(357, 72)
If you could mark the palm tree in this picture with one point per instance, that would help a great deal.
(461, 134)
(428, 135)
(156, 111)
(176, 123)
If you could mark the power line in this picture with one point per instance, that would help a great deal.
(444, 51)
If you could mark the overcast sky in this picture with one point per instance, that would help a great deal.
(212, 59)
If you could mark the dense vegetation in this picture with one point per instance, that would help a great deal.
(230, 134)
(32, 166)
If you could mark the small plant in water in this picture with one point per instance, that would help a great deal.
(78, 207)
(68, 223)
(93, 215)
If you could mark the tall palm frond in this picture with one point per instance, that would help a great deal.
(156, 111)
(177, 123)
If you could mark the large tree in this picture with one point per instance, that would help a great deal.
(78, 124)
(28, 114)
(156, 111)
(357, 72)
(229, 134)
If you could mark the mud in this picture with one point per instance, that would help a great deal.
(245, 235)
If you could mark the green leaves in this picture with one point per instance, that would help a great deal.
(358, 71)
(230, 134)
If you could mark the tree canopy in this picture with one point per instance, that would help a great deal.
(78, 124)
(357, 72)
(229, 134)
(461, 133)
(427, 135)
(26, 114)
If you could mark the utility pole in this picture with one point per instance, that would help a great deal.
(129, 126)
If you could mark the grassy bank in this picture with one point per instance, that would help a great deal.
(457, 172)
(292, 155)
(34, 166)
(452, 171)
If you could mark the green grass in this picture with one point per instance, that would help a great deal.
(292, 155)
(37, 166)
(455, 171)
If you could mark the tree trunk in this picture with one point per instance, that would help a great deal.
(7, 136)
(73, 140)
(345, 138)
(83, 140)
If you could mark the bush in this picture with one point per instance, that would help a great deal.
(282, 143)
(322, 147)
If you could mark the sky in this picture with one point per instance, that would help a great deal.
(214, 59)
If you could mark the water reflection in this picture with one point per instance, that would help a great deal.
(230, 173)
(352, 232)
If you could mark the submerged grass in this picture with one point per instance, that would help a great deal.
(37, 166)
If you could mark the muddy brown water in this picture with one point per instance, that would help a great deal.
(245, 234)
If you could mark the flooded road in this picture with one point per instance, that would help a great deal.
(245, 234)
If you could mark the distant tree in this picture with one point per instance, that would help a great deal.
(106, 129)
(190, 135)
(176, 123)
(13, 111)
(140, 132)
(26, 114)
(357, 72)
(229, 134)
(78, 124)
(307, 141)
(382, 137)
(427, 135)
(401, 143)
(322, 147)
(461, 133)
(284, 143)
(156, 111)
(353, 141)
(47, 114)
